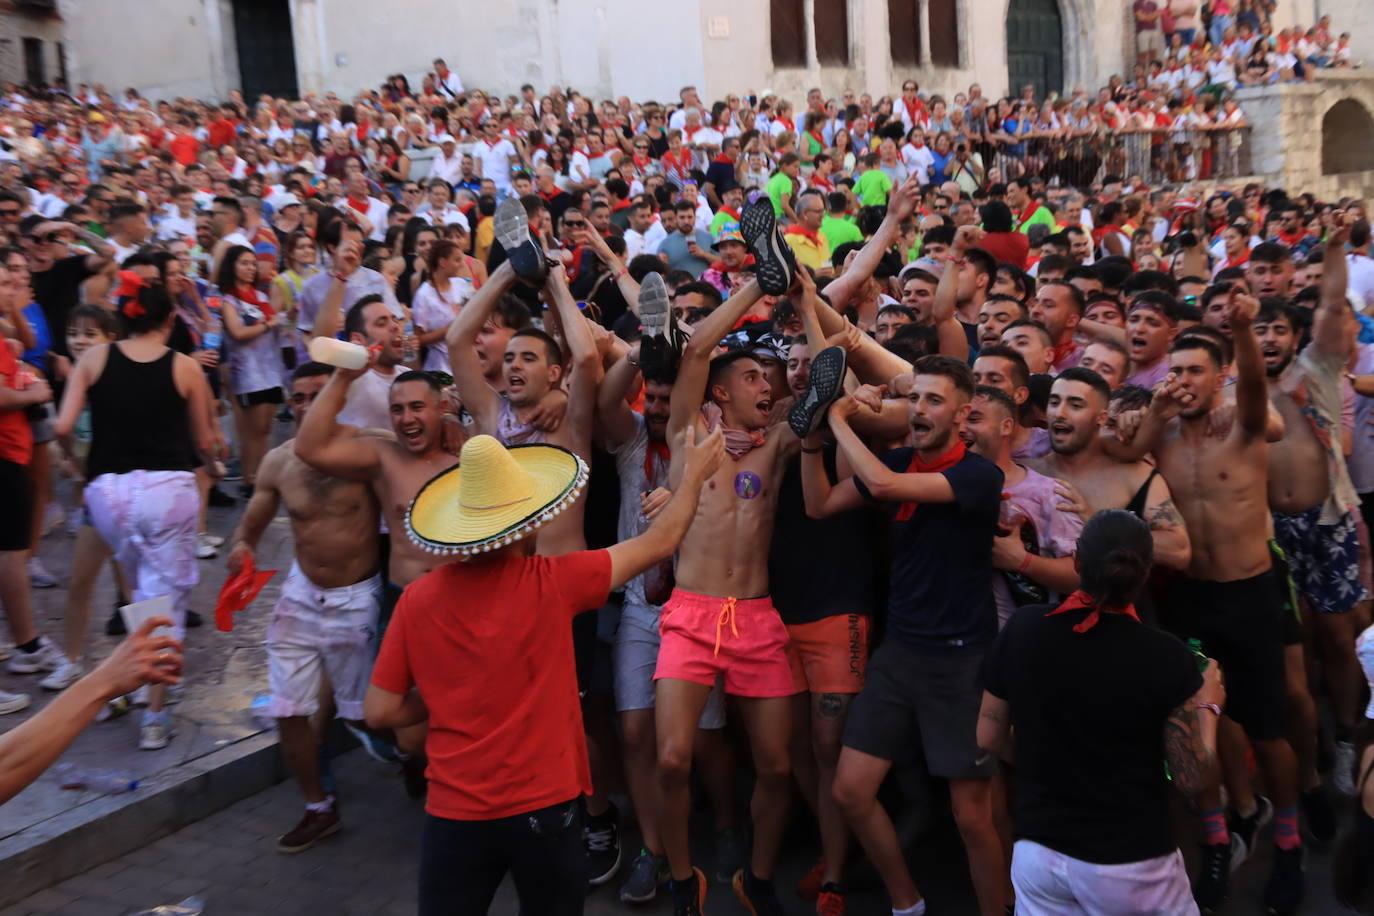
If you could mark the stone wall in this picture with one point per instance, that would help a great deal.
(1316, 136)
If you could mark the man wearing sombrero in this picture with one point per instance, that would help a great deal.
(482, 648)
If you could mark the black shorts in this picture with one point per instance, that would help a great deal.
(16, 507)
(265, 396)
(929, 700)
(1241, 625)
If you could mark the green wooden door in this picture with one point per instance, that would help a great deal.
(1035, 47)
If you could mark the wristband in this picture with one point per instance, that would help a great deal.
(619, 273)
(811, 451)
(1212, 706)
(1025, 563)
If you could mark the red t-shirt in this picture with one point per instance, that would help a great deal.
(1007, 247)
(184, 148)
(16, 436)
(488, 643)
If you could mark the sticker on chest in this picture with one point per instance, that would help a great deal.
(748, 485)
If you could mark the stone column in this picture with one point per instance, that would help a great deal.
(923, 17)
(809, 35)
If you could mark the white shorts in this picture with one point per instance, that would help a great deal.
(1049, 883)
(315, 629)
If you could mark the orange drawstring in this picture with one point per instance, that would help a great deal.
(727, 612)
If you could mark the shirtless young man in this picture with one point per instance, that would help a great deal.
(1229, 598)
(1311, 495)
(395, 469)
(325, 621)
(1076, 413)
(719, 618)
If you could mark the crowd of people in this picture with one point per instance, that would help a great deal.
(816, 450)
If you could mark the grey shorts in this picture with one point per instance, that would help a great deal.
(929, 700)
(634, 659)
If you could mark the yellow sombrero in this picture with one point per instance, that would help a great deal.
(494, 496)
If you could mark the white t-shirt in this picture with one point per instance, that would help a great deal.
(175, 226)
(432, 310)
(919, 161)
(369, 401)
(495, 159)
(1361, 278)
(645, 243)
(376, 215)
(448, 217)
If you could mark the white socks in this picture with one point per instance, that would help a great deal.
(917, 909)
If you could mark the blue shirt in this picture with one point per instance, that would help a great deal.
(38, 356)
(941, 577)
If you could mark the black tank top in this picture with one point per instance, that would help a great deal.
(138, 418)
(1137, 504)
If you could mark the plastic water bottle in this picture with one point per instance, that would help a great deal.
(191, 906)
(214, 328)
(409, 353)
(106, 782)
(259, 710)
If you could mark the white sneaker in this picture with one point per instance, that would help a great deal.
(39, 577)
(156, 731)
(47, 657)
(1343, 769)
(63, 677)
(205, 550)
(13, 702)
(211, 539)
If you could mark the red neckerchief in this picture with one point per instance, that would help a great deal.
(654, 450)
(251, 296)
(550, 195)
(818, 182)
(1244, 259)
(787, 123)
(681, 162)
(1030, 211)
(1080, 600)
(818, 137)
(690, 133)
(914, 109)
(621, 205)
(1062, 351)
(361, 206)
(723, 158)
(641, 162)
(799, 229)
(1291, 239)
(733, 214)
(943, 462)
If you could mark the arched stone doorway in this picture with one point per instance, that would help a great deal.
(1035, 46)
(1347, 138)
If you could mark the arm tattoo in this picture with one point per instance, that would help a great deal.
(1191, 762)
(1163, 517)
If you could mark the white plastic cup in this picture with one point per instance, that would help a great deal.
(338, 353)
(134, 614)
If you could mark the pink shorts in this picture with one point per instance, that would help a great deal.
(703, 636)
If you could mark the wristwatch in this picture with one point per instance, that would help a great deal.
(1212, 706)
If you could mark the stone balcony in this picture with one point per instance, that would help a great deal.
(1316, 136)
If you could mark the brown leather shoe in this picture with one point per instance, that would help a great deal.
(315, 826)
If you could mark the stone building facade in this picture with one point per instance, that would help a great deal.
(32, 41)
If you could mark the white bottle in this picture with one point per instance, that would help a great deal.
(338, 353)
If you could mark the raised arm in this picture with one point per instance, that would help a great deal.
(325, 444)
(347, 259)
(900, 205)
(632, 557)
(615, 417)
(882, 482)
(1252, 391)
(1167, 529)
(477, 396)
(584, 358)
(1328, 325)
(689, 391)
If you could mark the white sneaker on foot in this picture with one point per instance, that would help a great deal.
(205, 550)
(211, 539)
(65, 675)
(47, 657)
(13, 702)
(156, 731)
(39, 577)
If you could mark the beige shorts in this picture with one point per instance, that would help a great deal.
(1150, 42)
(317, 631)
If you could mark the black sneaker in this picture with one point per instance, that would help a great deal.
(689, 896)
(1244, 829)
(1283, 893)
(732, 852)
(1213, 882)
(601, 836)
(115, 625)
(193, 620)
(826, 384)
(218, 499)
(775, 263)
(1318, 817)
(647, 872)
(511, 226)
(758, 897)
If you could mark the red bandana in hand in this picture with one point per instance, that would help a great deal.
(942, 462)
(238, 592)
(1080, 600)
